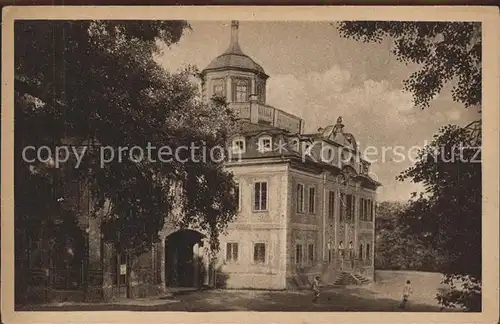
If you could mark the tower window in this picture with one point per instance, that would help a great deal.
(261, 92)
(241, 91)
(218, 88)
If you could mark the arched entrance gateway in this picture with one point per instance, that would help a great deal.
(185, 260)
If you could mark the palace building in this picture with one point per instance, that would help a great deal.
(306, 208)
(306, 201)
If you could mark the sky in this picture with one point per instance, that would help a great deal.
(318, 75)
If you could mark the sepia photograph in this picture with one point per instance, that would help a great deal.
(241, 164)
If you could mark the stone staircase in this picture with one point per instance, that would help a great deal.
(346, 279)
(360, 279)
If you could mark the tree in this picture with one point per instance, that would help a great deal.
(447, 52)
(95, 84)
(397, 248)
(447, 215)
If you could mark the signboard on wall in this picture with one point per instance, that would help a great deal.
(123, 269)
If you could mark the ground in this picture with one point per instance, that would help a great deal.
(383, 295)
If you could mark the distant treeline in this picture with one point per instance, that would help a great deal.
(396, 247)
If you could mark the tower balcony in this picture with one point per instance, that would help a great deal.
(259, 113)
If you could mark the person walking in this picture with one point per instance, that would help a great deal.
(315, 288)
(407, 291)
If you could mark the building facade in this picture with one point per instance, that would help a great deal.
(306, 208)
(306, 201)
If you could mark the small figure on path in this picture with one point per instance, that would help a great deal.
(407, 291)
(315, 288)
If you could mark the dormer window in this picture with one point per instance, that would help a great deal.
(294, 144)
(346, 157)
(265, 144)
(240, 90)
(328, 155)
(238, 145)
(307, 146)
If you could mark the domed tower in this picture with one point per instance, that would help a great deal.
(234, 75)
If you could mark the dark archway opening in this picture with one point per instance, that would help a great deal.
(182, 267)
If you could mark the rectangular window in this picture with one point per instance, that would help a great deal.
(260, 197)
(349, 203)
(343, 206)
(353, 207)
(312, 199)
(232, 252)
(300, 198)
(310, 253)
(368, 252)
(298, 254)
(361, 208)
(370, 210)
(331, 204)
(365, 209)
(259, 253)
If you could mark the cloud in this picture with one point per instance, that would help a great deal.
(378, 113)
(319, 98)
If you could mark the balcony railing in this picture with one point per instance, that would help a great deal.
(242, 110)
(256, 112)
(266, 113)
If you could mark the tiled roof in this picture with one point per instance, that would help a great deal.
(234, 58)
(248, 128)
(235, 61)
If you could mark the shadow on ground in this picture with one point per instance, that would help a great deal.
(355, 299)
